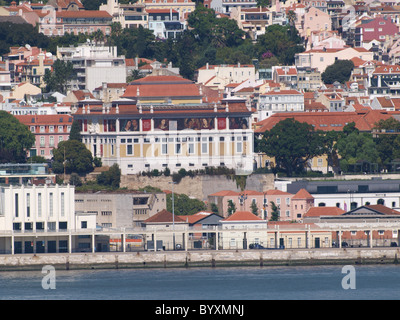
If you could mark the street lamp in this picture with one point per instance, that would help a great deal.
(173, 214)
(242, 198)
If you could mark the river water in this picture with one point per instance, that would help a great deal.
(243, 283)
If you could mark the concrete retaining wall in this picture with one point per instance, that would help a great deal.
(199, 259)
(199, 187)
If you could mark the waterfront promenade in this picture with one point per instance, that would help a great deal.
(201, 258)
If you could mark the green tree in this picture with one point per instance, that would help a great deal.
(254, 208)
(388, 144)
(357, 147)
(75, 132)
(339, 71)
(282, 41)
(183, 205)
(274, 212)
(75, 180)
(330, 149)
(15, 139)
(292, 144)
(111, 178)
(74, 155)
(231, 207)
(214, 208)
(57, 79)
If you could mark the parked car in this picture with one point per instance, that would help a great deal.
(256, 246)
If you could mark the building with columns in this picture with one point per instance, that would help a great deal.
(154, 127)
(42, 219)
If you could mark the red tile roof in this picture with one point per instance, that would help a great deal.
(164, 216)
(276, 193)
(324, 211)
(302, 194)
(45, 119)
(243, 216)
(383, 209)
(386, 69)
(162, 86)
(328, 121)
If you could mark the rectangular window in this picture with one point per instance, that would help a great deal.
(16, 205)
(62, 204)
(204, 145)
(28, 205)
(129, 149)
(39, 203)
(178, 149)
(164, 147)
(191, 148)
(51, 204)
(62, 225)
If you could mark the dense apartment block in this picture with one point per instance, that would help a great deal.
(94, 64)
(277, 101)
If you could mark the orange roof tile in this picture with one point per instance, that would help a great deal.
(164, 216)
(383, 209)
(327, 121)
(243, 216)
(276, 192)
(302, 194)
(324, 211)
(224, 193)
(162, 86)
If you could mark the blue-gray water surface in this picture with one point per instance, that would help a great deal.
(244, 283)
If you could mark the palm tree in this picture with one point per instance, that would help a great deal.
(291, 16)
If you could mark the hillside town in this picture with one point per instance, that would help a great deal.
(269, 152)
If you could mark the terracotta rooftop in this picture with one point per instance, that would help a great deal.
(243, 216)
(164, 216)
(162, 86)
(302, 194)
(328, 121)
(324, 211)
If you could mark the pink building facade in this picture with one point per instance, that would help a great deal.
(291, 207)
(49, 131)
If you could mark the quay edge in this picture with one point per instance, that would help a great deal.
(191, 259)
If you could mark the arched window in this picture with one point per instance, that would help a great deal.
(381, 201)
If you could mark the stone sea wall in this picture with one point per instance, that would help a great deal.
(189, 259)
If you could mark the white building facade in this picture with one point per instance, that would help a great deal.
(93, 64)
(41, 219)
(280, 101)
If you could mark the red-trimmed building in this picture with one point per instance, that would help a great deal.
(368, 225)
(162, 121)
(291, 207)
(49, 130)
